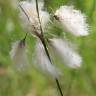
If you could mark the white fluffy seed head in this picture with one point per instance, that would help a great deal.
(18, 55)
(66, 53)
(43, 62)
(72, 20)
(30, 9)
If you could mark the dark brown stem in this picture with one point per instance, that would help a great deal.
(45, 47)
(41, 37)
(24, 12)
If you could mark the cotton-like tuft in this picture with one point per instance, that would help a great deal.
(72, 20)
(32, 24)
(66, 53)
(43, 62)
(18, 55)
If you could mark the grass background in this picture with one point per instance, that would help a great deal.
(31, 82)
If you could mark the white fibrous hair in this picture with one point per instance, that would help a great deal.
(66, 53)
(18, 55)
(43, 62)
(72, 20)
(33, 25)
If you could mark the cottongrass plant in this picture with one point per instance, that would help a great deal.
(72, 20)
(35, 21)
(18, 54)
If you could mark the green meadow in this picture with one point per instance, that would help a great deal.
(31, 81)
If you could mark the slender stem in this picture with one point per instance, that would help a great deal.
(36, 33)
(25, 37)
(37, 8)
(24, 12)
(27, 18)
(41, 37)
(44, 44)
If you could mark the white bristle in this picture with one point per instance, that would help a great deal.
(18, 55)
(66, 53)
(72, 20)
(43, 62)
(30, 10)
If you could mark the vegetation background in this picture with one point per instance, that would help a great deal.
(31, 82)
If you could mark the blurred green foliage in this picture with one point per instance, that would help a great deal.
(31, 82)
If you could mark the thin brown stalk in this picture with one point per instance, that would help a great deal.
(44, 44)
